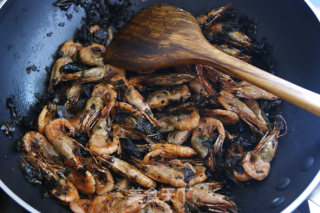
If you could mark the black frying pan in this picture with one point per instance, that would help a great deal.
(29, 34)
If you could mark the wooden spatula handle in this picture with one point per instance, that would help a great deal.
(290, 92)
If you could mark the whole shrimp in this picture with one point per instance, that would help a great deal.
(225, 116)
(231, 103)
(56, 75)
(134, 98)
(168, 150)
(73, 94)
(186, 119)
(102, 203)
(93, 74)
(93, 54)
(256, 163)
(162, 173)
(203, 132)
(70, 49)
(127, 170)
(35, 143)
(178, 137)
(63, 189)
(100, 143)
(80, 205)
(233, 52)
(162, 98)
(102, 100)
(83, 180)
(47, 114)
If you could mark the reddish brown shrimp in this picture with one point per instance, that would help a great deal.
(168, 150)
(80, 206)
(36, 143)
(249, 91)
(212, 15)
(93, 54)
(100, 143)
(178, 137)
(231, 103)
(125, 169)
(47, 114)
(225, 116)
(256, 163)
(70, 49)
(161, 80)
(187, 119)
(73, 94)
(162, 98)
(93, 74)
(103, 99)
(56, 75)
(104, 180)
(233, 52)
(102, 203)
(83, 180)
(134, 98)
(156, 206)
(218, 77)
(203, 133)
(254, 106)
(162, 173)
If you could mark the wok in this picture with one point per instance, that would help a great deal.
(30, 35)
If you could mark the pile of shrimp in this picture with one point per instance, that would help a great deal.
(150, 142)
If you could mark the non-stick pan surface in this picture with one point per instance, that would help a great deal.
(30, 35)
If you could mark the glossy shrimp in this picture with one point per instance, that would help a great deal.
(233, 52)
(100, 143)
(127, 170)
(168, 150)
(56, 75)
(134, 98)
(231, 103)
(73, 94)
(186, 119)
(93, 55)
(93, 74)
(80, 205)
(254, 106)
(162, 98)
(162, 173)
(47, 114)
(256, 163)
(249, 91)
(70, 49)
(83, 180)
(63, 189)
(225, 116)
(203, 132)
(178, 137)
(102, 100)
(35, 143)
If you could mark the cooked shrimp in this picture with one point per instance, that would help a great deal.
(36, 143)
(73, 94)
(93, 55)
(162, 173)
(122, 184)
(249, 91)
(169, 150)
(156, 206)
(200, 175)
(212, 15)
(83, 180)
(187, 119)
(218, 77)
(161, 80)
(162, 98)
(203, 133)
(93, 74)
(178, 137)
(130, 204)
(134, 98)
(70, 49)
(256, 163)
(225, 116)
(100, 143)
(125, 169)
(56, 75)
(103, 99)
(80, 206)
(76, 121)
(63, 189)
(47, 114)
(57, 132)
(233, 52)
(102, 203)
(231, 103)
(104, 181)
(254, 106)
